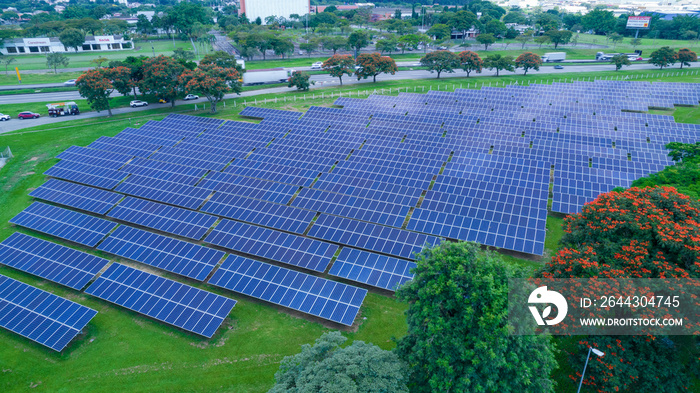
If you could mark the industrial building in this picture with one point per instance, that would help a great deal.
(16, 46)
(264, 8)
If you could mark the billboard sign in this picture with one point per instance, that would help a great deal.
(638, 22)
(37, 41)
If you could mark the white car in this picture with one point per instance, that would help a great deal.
(317, 65)
(191, 97)
(4, 117)
(70, 82)
(136, 103)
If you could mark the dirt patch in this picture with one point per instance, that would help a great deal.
(34, 384)
(28, 173)
(35, 158)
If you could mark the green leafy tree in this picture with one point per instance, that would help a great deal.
(282, 46)
(600, 21)
(160, 78)
(663, 57)
(7, 60)
(616, 38)
(221, 59)
(339, 65)
(635, 233)
(96, 87)
(374, 64)
(300, 80)
(121, 79)
(387, 44)
(439, 31)
(440, 61)
(55, 60)
(523, 39)
(72, 38)
(183, 54)
(495, 27)
(463, 21)
(635, 42)
(334, 43)
(211, 81)
(309, 47)
(470, 61)
(684, 152)
(458, 336)
(99, 61)
(619, 61)
(557, 37)
(543, 39)
(91, 25)
(486, 40)
(409, 41)
(357, 40)
(144, 25)
(499, 63)
(327, 367)
(685, 56)
(528, 61)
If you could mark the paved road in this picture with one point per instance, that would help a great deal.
(321, 81)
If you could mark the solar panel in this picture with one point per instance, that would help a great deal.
(312, 295)
(176, 304)
(51, 261)
(78, 196)
(40, 316)
(278, 246)
(164, 218)
(164, 191)
(66, 224)
(372, 269)
(177, 256)
(86, 174)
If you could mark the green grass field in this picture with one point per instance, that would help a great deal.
(127, 352)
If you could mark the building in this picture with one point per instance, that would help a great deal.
(47, 45)
(262, 9)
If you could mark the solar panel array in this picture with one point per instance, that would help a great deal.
(353, 192)
(40, 316)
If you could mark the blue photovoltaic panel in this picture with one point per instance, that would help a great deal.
(78, 196)
(177, 256)
(40, 316)
(268, 214)
(51, 261)
(180, 305)
(95, 157)
(164, 171)
(165, 191)
(302, 292)
(249, 187)
(86, 174)
(164, 218)
(66, 224)
(116, 145)
(267, 243)
(372, 269)
(392, 241)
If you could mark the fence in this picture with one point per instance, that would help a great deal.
(454, 86)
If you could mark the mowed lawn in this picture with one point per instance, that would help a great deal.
(124, 351)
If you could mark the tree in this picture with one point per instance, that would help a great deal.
(559, 37)
(616, 38)
(55, 60)
(309, 47)
(470, 61)
(327, 367)
(72, 38)
(96, 87)
(663, 57)
(439, 31)
(334, 43)
(282, 46)
(387, 44)
(211, 81)
(684, 152)
(7, 60)
(685, 56)
(635, 233)
(373, 65)
(98, 61)
(135, 66)
(90, 25)
(486, 40)
(600, 21)
(543, 39)
(160, 78)
(300, 80)
(183, 54)
(499, 63)
(357, 40)
(408, 41)
(527, 61)
(619, 61)
(463, 21)
(458, 336)
(120, 77)
(440, 61)
(523, 39)
(635, 42)
(339, 65)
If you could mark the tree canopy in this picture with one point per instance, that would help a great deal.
(619, 61)
(374, 64)
(470, 62)
(327, 367)
(211, 81)
(486, 40)
(72, 38)
(56, 59)
(458, 337)
(498, 62)
(663, 57)
(160, 78)
(440, 61)
(685, 56)
(527, 61)
(339, 65)
(300, 80)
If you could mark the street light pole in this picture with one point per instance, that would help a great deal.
(583, 375)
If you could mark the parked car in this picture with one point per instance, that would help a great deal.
(191, 97)
(558, 67)
(317, 65)
(28, 115)
(162, 101)
(4, 117)
(70, 82)
(136, 103)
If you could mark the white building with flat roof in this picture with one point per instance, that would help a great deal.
(264, 8)
(18, 46)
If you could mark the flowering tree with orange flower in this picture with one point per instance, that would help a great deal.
(637, 233)
(211, 81)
